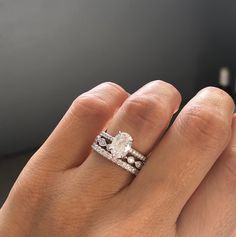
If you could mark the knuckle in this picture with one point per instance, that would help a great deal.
(215, 90)
(145, 109)
(163, 83)
(167, 84)
(89, 105)
(113, 87)
(218, 94)
(170, 88)
(114, 91)
(206, 123)
(94, 104)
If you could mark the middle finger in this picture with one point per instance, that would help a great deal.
(187, 151)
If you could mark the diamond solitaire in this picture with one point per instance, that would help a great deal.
(121, 145)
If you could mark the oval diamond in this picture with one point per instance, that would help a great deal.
(121, 145)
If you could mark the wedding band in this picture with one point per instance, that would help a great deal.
(118, 149)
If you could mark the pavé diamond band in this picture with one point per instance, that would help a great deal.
(118, 149)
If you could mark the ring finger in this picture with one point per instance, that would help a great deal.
(145, 115)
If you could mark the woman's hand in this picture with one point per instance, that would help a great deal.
(187, 188)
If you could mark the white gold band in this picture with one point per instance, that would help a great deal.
(119, 150)
(119, 162)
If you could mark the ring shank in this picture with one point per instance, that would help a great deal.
(119, 162)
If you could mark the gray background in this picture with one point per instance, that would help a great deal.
(53, 50)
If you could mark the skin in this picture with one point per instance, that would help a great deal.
(186, 188)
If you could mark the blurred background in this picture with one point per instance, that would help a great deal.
(53, 50)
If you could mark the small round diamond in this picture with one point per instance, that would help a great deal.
(138, 164)
(108, 147)
(98, 138)
(102, 142)
(130, 159)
